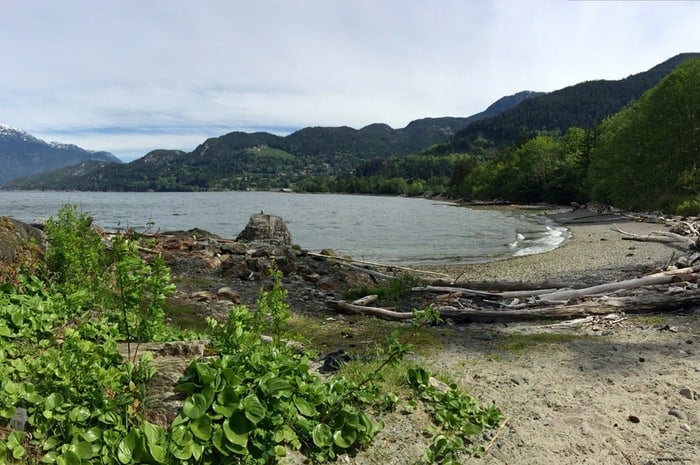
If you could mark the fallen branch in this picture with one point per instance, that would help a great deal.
(657, 236)
(384, 313)
(663, 277)
(479, 293)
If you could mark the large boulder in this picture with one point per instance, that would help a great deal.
(262, 227)
(269, 244)
(16, 236)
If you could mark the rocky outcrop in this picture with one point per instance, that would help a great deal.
(14, 235)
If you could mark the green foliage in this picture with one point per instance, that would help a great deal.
(111, 280)
(646, 155)
(392, 292)
(457, 416)
(85, 403)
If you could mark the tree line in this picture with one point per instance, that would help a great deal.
(645, 157)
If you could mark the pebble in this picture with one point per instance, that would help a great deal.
(677, 413)
(688, 393)
(685, 427)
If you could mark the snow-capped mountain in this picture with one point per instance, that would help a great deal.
(22, 154)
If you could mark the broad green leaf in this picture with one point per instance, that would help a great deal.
(345, 437)
(304, 407)
(69, 458)
(181, 435)
(236, 431)
(125, 450)
(322, 435)
(154, 433)
(79, 414)
(254, 410)
(92, 434)
(158, 452)
(50, 457)
(278, 387)
(195, 406)
(82, 449)
(223, 410)
(201, 428)
(53, 401)
(183, 452)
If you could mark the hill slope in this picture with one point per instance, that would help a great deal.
(239, 160)
(583, 105)
(22, 154)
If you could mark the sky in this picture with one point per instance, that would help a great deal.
(130, 76)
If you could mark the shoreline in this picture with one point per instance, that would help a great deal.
(594, 253)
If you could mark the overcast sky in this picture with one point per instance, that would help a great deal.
(130, 76)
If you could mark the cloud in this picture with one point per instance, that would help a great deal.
(71, 68)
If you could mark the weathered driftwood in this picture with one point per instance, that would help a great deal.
(657, 302)
(664, 277)
(384, 313)
(366, 300)
(479, 293)
(691, 241)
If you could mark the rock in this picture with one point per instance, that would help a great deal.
(19, 419)
(686, 427)
(333, 361)
(183, 348)
(228, 294)
(202, 295)
(14, 235)
(235, 248)
(677, 413)
(267, 228)
(438, 385)
(688, 393)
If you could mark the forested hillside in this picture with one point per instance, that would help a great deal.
(583, 105)
(239, 161)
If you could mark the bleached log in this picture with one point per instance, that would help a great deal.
(366, 300)
(656, 302)
(380, 312)
(657, 236)
(664, 277)
(479, 293)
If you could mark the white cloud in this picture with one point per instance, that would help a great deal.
(73, 67)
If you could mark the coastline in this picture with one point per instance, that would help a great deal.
(594, 253)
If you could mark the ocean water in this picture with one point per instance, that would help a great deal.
(392, 230)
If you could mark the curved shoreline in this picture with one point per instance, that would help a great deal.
(594, 253)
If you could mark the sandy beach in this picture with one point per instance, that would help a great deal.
(617, 390)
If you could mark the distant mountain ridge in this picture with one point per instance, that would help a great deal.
(241, 160)
(22, 154)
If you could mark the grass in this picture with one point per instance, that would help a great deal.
(651, 320)
(184, 315)
(357, 334)
(518, 343)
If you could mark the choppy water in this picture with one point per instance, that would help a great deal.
(385, 229)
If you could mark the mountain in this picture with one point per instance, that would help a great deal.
(582, 105)
(260, 160)
(22, 154)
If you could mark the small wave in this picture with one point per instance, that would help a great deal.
(553, 237)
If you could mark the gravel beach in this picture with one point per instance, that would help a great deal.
(594, 253)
